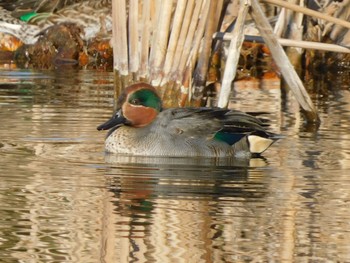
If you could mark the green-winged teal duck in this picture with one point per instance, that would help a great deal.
(27, 19)
(141, 126)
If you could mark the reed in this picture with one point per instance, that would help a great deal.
(199, 30)
(160, 41)
(200, 73)
(169, 43)
(295, 32)
(281, 59)
(233, 55)
(192, 29)
(120, 42)
(186, 88)
(290, 43)
(173, 40)
(145, 29)
(182, 38)
(133, 36)
(308, 12)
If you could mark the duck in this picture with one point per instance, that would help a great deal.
(28, 20)
(141, 126)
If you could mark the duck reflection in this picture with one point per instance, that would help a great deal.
(174, 204)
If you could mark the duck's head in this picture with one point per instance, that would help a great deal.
(137, 106)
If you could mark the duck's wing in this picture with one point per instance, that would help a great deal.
(208, 122)
(243, 131)
(239, 122)
(190, 122)
(237, 128)
(238, 125)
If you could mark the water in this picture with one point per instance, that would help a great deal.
(63, 200)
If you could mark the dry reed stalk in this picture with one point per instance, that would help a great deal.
(185, 94)
(219, 16)
(191, 60)
(200, 72)
(155, 5)
(120, 45)
(287, 19)
(291, 43)
(233, 55)
(120, 82)
(182, 38)
(309, 12)
(133, 36)
(114, 35)
(280, 23)
(192, 30)
(145, 37)
(313, 45)
(160, 41)
(199, 35)
(174, 36)
(295, 32)
(281, 59)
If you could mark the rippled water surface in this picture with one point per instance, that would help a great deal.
(63, 200)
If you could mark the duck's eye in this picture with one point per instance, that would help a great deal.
(135, 101)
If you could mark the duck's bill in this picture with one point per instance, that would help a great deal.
(116, 120)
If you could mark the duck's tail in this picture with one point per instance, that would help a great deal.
(255, 144)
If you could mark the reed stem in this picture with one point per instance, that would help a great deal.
(201, 70)
(160, 41)
(281, 59)
(120, 42)
(133, 36)
(174, 37)
(308, 11)
(182, 38)
(233, 55)
(145, 38)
